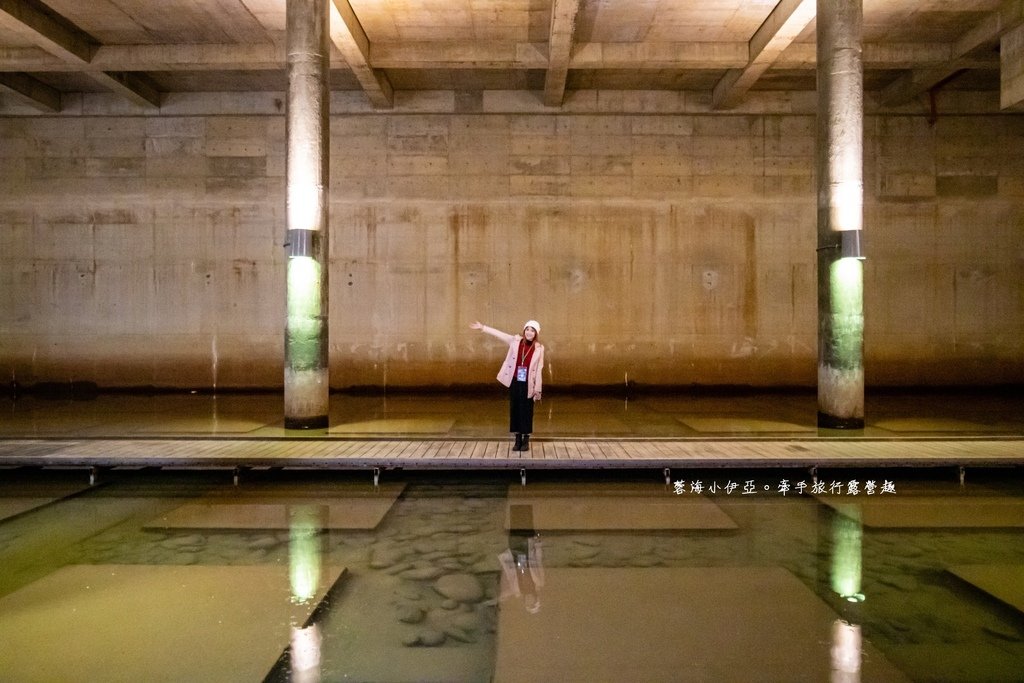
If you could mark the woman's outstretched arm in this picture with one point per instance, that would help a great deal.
(507, 338)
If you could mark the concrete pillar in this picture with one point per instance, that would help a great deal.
(306, 378)
(840, 166)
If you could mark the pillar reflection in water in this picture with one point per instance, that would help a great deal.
(846, 652)
(306, 524)
(847, 571)
(305, 572)
(305, 654)
(847, 534)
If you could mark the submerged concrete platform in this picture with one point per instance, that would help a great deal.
(742, 430)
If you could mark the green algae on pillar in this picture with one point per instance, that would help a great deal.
(840, 342)
(307, 131)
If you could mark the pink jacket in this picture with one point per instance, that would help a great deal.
(508, 367)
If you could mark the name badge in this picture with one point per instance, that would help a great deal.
(521, 373)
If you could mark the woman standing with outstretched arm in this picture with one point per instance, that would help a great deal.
(521, 373)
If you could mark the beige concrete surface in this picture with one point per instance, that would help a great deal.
(700, 624)
(24, 496)
(344, 507)
(592, 507)
(663, 248)
(11, 506)
(636, 175)
(952, 510)
(954, 414)
(1003, 582)
(212, 623)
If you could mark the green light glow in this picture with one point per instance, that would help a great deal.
(303, 286)
(847, 534)
(305, 314)
(846, 276)
(304, 553)
(846, 286)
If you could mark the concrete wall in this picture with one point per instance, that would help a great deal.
(662, 249)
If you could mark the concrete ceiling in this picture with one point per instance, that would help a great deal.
(143, 49)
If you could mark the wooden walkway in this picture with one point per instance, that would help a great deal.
(338, 453)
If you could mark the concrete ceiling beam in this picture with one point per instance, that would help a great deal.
(67, 42)
(31, 91)
(135, 87)
(49, 32)
(263, 57)
(783, 26)
(666, 55)
(911, 84)
(563, 29)
(477, 55)
(348, 36)
(411, 55)
(452, 54)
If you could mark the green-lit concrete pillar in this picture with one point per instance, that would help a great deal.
(306, 380)
(840, 165)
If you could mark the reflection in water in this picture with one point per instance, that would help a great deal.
(846, 652)
(847, 560)
(306, 525)
(522, 571)
(522, 563)
(775, 594)
(305, 654)
(847, 534)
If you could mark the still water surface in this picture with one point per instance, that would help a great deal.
(475, 577)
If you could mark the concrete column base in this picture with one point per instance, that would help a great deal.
(306, 399)
(840, 398)
(826, 421)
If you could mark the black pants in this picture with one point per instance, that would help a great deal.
(520, 409)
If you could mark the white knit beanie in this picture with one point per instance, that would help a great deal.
(532, 323)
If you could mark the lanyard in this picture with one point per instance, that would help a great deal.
(524, 353)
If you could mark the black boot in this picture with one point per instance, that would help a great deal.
(519, 443)
(525, 445)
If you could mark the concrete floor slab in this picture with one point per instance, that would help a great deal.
(613, 506)
(932, 424)
(969, 662)
(931, 512)
(910, 414)
(734, 425)
(363, 637)
(151, 623)
(426, 424)
(1003, 582)
(348, 506)
(173, 424)
(49, 425)
(700, 624)
(12, 506)
(580, 424)
(19, 497)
